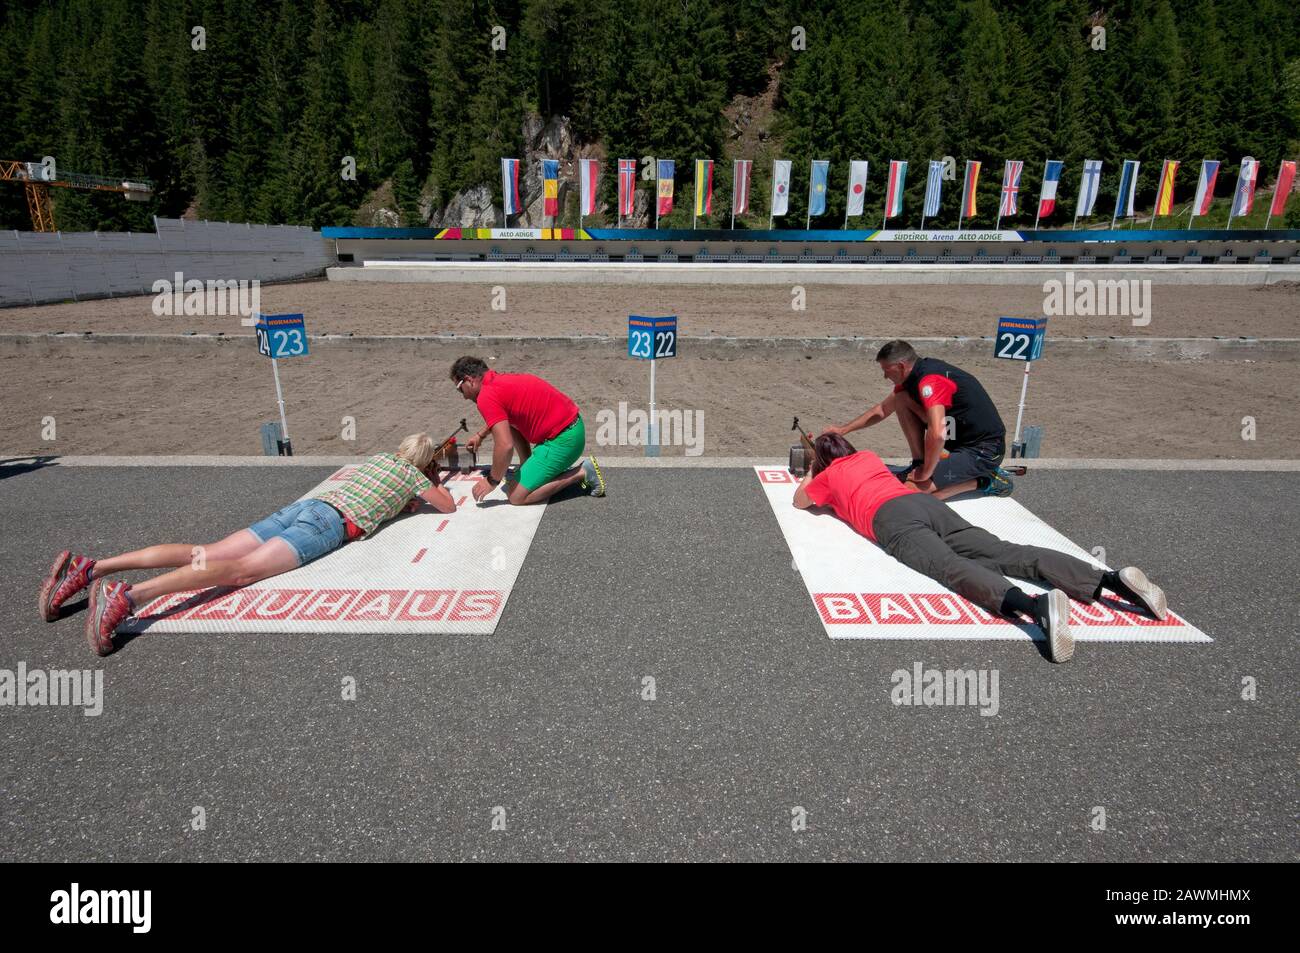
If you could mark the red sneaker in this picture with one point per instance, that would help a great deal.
(67, 577)
(109, 606)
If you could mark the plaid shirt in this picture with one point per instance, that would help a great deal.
(377, 491)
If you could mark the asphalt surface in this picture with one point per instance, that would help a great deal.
(683, 577)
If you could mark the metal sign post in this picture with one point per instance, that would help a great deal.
(1020, 339)
(649, 339)
(281, 336)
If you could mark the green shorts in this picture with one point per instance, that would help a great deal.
(552, 457)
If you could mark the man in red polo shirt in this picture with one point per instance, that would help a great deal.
(927, 393)
(527, 416)
(922, 532)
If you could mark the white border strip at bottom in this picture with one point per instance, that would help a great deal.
(634, 462)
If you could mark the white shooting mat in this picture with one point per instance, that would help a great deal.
(861, 592)
(423, 572)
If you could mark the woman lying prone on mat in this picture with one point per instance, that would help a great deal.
(383, 486)
(922, 532)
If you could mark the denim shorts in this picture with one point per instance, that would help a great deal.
(312, 528)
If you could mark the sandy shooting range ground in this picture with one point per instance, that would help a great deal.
(191, 398)
(873, 311)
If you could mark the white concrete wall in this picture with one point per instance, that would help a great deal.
(724, 273)
(38, 267)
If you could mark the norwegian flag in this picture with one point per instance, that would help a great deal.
(626, 186)
(1010, 186)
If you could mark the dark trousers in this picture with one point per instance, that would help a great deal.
(925, 534)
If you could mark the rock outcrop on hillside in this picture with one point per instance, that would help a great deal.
(543, 139)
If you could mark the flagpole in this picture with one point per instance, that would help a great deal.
(695, 208)
(965, 183)
(807, 222)
(1039, 213)
(657, 194)
(1118, 198)
(733, 193)
(1159, 188)
(1232, 205)
(1083, 184)
(1269, 217)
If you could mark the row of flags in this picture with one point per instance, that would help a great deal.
(1243, 196)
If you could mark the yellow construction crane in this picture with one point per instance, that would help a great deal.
(39, 177)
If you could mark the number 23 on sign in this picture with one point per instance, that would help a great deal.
(281, 335)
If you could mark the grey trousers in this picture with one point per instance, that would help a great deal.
(925, 534)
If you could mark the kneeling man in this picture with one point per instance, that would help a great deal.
(528, 416)
(926, 392)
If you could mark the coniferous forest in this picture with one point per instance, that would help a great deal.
(242, 110)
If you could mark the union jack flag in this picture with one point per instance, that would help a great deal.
(1010, 186)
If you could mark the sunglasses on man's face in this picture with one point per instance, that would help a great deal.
(461, 383)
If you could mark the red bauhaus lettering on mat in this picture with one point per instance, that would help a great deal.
(476, 604)
(892, 608)
(375, 605)
(426, 605)
(325, 605)
(330, 605)
(945, 608)
(278, 604)
(230, 606)
(840, 608)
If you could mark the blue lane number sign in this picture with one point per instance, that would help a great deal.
(1020, 339)
(281, 335)
(651, 338)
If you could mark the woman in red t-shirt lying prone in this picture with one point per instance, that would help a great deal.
(921, 531)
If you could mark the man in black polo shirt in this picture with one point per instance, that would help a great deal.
(926, 391)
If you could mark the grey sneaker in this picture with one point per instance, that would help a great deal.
(593, 481)
(1053, 617)
(1143, 592)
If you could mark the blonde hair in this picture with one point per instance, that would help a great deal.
(417, 450)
